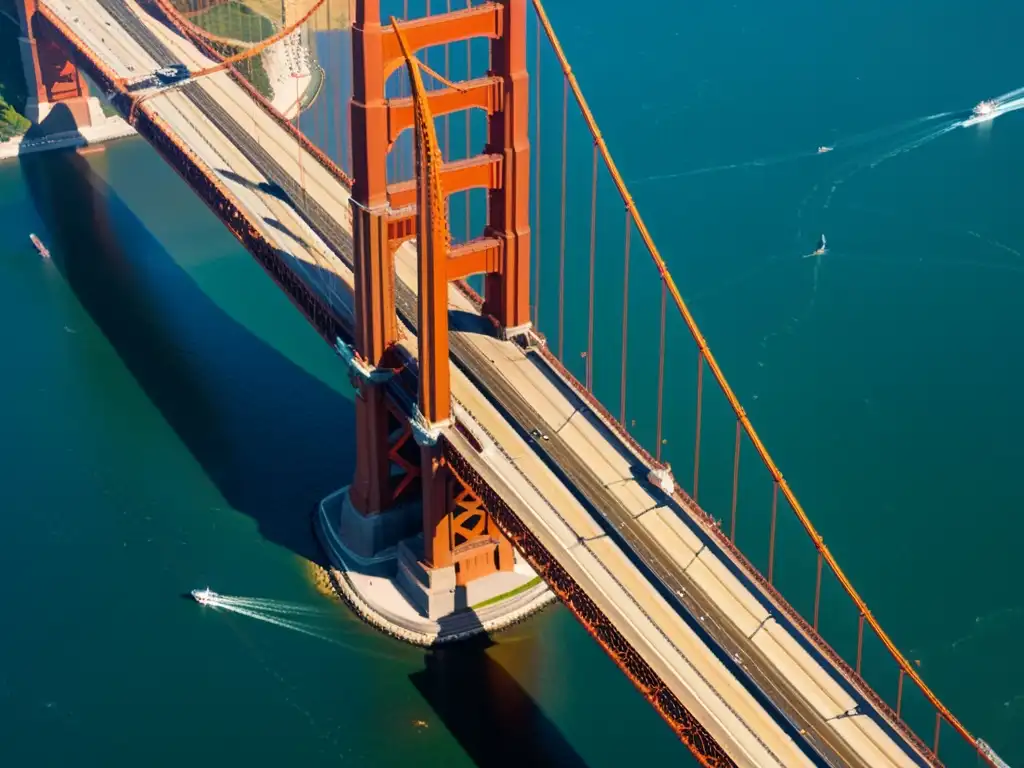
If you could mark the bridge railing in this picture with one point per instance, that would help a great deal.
(661, 308)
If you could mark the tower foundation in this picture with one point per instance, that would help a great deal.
(58, 96)
(393, 589)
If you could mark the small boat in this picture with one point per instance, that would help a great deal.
(984, 108)
(982, 112)
(43, 251)
(203, 596)
(822, 150)
(822, 245)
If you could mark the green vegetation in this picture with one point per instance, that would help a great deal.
(251, 69)
(239, 22)
(511, 593)
(235, 21)
(13, 92)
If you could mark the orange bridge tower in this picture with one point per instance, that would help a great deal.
(404, 504)
(58, 96)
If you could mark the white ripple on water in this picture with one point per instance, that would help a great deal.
(270, 611)
(286, 615)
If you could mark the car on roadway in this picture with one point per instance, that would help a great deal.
(172, 74)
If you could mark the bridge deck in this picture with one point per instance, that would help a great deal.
(709, 632)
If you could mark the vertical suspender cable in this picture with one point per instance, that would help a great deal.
(771, 535)
(593, 244)
(447, 76)
(406, 161)
(860, 641)
(561, 255)
(311, 44)
(447, 152)
(469, 143)
(335, 67)
(298, 144)
(899, 695)
(625, 320)
(661, 368)
(700, 403)
(817, 592)
(735, 482)
(938, 729)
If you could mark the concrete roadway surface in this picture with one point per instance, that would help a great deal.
(737, 667)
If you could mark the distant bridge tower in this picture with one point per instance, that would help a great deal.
(454, 543)
(57, 93)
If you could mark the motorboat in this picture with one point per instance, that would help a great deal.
(983, 112)
(203, 596)
(984, 108)
(823, 149)
(43, 250)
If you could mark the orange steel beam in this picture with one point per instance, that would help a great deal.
(484, 20)
(376, 318)
(481, 256)
(471, 173)
(401, 228)
(482, 93)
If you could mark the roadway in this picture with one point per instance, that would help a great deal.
(765, 698)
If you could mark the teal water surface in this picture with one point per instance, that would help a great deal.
(170, 419)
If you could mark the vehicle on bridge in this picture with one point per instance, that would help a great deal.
(172, 74)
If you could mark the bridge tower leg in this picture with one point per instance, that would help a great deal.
(57, 93)
(461, 546)
(507, 291)
(373, 517)
(376, 321)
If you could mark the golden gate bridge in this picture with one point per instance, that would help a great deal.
(443, 418)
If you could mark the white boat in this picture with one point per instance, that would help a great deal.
(203, 596)
(822, 150)
(985, 108)
(43, 250)
(984, 111)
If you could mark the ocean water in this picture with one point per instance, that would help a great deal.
(170, 420)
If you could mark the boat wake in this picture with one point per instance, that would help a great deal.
(848, 143)
(990, 109)
(277, 612)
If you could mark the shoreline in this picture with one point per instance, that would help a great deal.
(287, 63)
(112, 129)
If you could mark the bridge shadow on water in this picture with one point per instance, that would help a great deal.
(494, 719)
(269, 435)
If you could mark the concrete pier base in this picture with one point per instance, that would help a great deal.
(57, 130)
(370, 538)
(392, 590)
